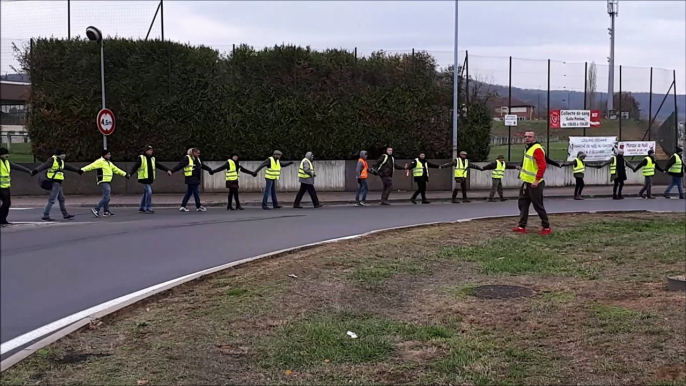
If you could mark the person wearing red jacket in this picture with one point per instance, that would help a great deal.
(531, 192)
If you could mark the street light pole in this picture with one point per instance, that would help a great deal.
(456, 105)
(95, 35)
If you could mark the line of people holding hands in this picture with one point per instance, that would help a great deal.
(145, 168)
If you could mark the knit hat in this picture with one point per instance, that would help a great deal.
(651, 152)
(678, 150)
(276, 152)
(59, 151)
(500, 156)
(4, 151)
(148, 148)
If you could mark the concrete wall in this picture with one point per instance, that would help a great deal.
(331, 176)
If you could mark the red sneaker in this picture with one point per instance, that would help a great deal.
(545, 232)
(519, 230)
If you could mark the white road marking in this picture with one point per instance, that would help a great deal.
(22, 208)
(61, 327)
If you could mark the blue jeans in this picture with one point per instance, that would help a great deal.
(146, 200)
(56, 194)
(192, 190)
(270, 189)
(676, 181)
(362, 189)
(105, 202)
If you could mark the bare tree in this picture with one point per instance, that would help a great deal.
(592, 78)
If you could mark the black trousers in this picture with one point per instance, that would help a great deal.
(309, 189)
(421, 189)
(579, 187)
(5, 206)
(461, 185)
(387, 188)
(617, 188)
(529, 195)
(233, 194)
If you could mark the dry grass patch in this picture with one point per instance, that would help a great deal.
(600, 315)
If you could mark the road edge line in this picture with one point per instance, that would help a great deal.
(67, 325)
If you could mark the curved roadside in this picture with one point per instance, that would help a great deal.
(20, 347)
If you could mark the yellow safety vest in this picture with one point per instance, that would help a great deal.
(105, 168)
(613, 166)
(188, 169)
(461, 168)
(649, 169)
(676, 167)
(499, 171)
(143, 170)
(301, 170)
(231, 171)
(529, 166)
(274, 171)
(4, 174)
(579, 166)
(56, 172)
(418, 170)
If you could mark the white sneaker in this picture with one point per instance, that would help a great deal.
(183, 209)
(202, 209)
(363, 203)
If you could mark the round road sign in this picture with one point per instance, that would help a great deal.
(106, 122)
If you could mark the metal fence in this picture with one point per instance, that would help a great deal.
(645, 101)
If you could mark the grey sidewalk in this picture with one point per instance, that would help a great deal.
(330, 198)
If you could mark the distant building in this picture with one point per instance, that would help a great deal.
(522, 110)
(13, 110)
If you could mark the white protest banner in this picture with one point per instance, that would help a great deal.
(636, 148)
(595, 148)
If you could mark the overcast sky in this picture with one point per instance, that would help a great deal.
(649, 33)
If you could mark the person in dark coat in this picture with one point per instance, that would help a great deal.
(420, 172)
(619, 175)
(192, 168)
(6, 168)
(384, 168)
(234, 168)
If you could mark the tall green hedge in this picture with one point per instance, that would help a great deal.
(176, 96)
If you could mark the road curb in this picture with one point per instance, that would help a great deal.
(45, 335)
(251, 204)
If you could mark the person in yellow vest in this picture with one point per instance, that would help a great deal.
(54, 177)
(649, 165)
(192, 170)
(579, 164)
(618, 166)
(675, 168)
(6, 168)
(105, 171)
(271, 176)
(420, 172)
(233, 169)
(531, 192)
(146, 169)
(498, 167)
(306, 177)
(462, 166)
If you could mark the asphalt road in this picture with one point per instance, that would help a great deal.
(48, 272)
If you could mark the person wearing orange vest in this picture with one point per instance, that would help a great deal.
(362, 172)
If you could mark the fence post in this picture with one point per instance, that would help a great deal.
(509, 108)
(650, 106)
(68, 19)
(585, 90)
(162, 17)
(547, 127)
(466, 63)
(620, 102)
(676, 112)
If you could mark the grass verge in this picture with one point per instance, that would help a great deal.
(600, 314)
